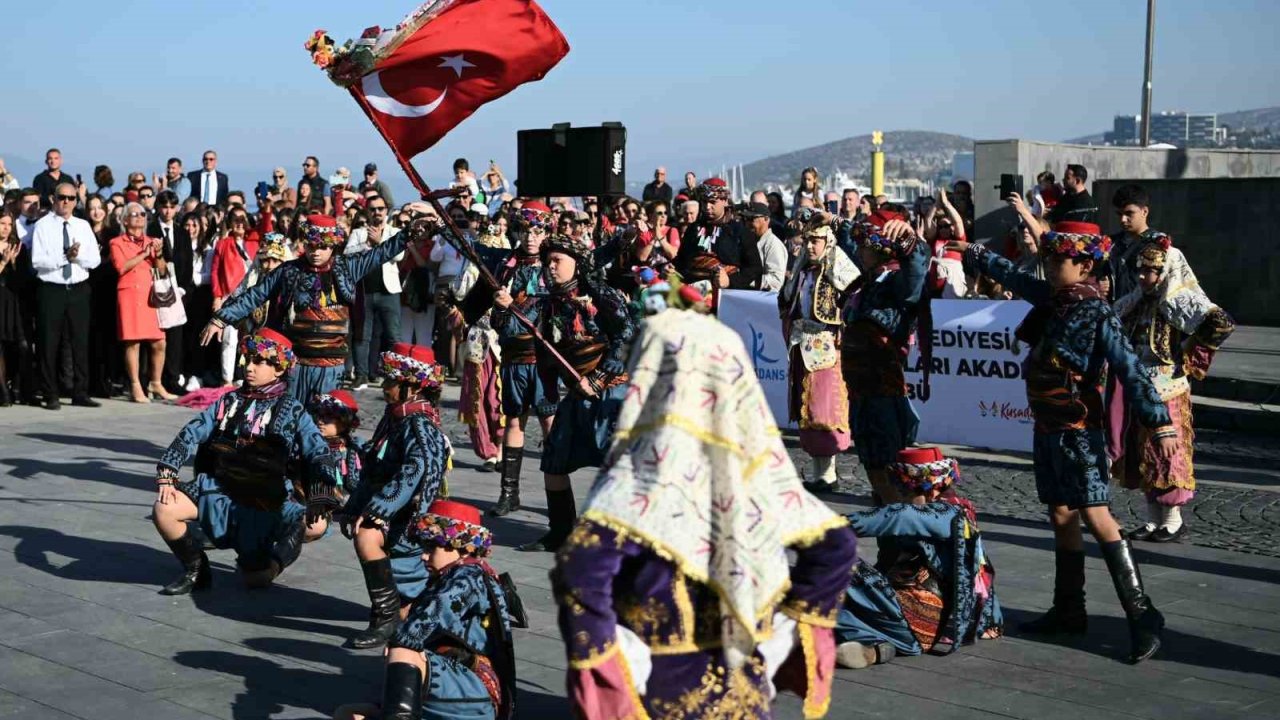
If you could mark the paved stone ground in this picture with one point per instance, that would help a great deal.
(83, 633)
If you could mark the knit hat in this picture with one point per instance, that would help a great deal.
(452, 524)
(413, 364)
(323, 231)
(1154, 252)
(269, 345)
(337, 404)
(1076, 240)
(576, 249)
(923, 470)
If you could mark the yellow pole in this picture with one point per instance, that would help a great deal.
(877, 164)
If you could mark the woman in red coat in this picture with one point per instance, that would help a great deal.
(134, 256)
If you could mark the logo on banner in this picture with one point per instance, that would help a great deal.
(1005, 411)
(761, 361)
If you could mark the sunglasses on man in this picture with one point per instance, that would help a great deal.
(67, 198)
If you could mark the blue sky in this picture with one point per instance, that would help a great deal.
(131, 82)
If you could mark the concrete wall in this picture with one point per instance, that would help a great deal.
(1228, 230)
(1029, 158)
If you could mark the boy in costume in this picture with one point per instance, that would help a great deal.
(337, 415)
(935, 586)
(1175, 330)
(453, 657)
(810, 301)
(242, 445)
(1074, 338)
(404, 469)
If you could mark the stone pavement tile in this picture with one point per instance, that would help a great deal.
(17, 626)
(80, 694)
(14, 706)
(228, 699)
(101, 658)
(36, 602)
(1221, 613)
(871, 700)
(540, 691)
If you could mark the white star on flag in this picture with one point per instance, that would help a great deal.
(455, 63)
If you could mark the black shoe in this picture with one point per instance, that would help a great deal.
(360, 383)
(561, 512)
(52, 403)
(1141, 534)
(1162, 535)
(402, 692)
(1145, 621)
(1067, 616)
(86, 402)
(384, 600)
(818, 486)
(195, 573)
(509, 498)
(5, 398)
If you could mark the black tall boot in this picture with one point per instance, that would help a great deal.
(509, 499)
(384, 613)
(561, 513)
(1145, 621)
(195, 566)
(1067, 616)
(402, 692)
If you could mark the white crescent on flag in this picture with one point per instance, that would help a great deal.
(380, 100)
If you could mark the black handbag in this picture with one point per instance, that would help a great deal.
(417, 290)
(162, 293)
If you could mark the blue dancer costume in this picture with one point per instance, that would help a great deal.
(879, 319)
(243, 445)
(404, 471)
(1074, 338)
(934, 587)
(312, 305)
(340, 408)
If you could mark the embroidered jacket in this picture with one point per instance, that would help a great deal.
(878, 321)
(939, 539)
(235, 421)
(522, 275)
(462, 614)
(1068, 361)
(404, 468)
(810, 301)
(311, 307)
(605, 581)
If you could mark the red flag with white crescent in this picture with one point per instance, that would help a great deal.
(465, 54)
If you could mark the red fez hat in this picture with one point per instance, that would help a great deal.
(714, 182)
(455, 510)
(415, 352)
(1071, 227)
(881, 217)
(322, 221)
(346, 399)
(536, 206)
(275, 337)
(919, 456)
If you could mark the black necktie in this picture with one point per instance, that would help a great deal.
(66, 245)
(168, 244)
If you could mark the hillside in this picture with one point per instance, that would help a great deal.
(1260, 119)
(909, 153)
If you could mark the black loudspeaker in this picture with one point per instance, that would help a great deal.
(572, 161)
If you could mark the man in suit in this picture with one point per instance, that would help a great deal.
(176, 249)
(208, 185)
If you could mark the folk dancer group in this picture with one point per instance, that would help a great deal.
(676, 596)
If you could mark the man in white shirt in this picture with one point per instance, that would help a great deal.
(63, 251)
(28, 214)
(381, 292)
(772, 252)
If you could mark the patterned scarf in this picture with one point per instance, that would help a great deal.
(415, 407)
(698, 473)
(273, 389)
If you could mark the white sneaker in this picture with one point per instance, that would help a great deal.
(193, 383)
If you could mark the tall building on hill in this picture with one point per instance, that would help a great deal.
(1185, 129)
(1124, 130)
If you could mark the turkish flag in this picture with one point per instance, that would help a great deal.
(473, 52)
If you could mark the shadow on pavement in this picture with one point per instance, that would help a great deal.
(1108, 636)
(124, 446)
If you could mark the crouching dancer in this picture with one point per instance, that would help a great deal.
(403, 471)
(453, 657)
(936, 586)
(240, 497)
(1074, 336)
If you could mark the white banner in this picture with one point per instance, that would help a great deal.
(977, 395)
(754, 316)
(976, 392)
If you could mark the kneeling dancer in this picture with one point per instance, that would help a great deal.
(404, 469)
(240, 497)
(589, 323)
(453, 656)
(1074, 337)
(676, 597)
(935, 588)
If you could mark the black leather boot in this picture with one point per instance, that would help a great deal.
(402, 692)
(195, 566)
(509, 499)
(561, 513)
(1145, 622)
(384, 613)
(1067, 616)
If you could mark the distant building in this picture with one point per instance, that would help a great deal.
(1124, 130)
(1183, 129)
